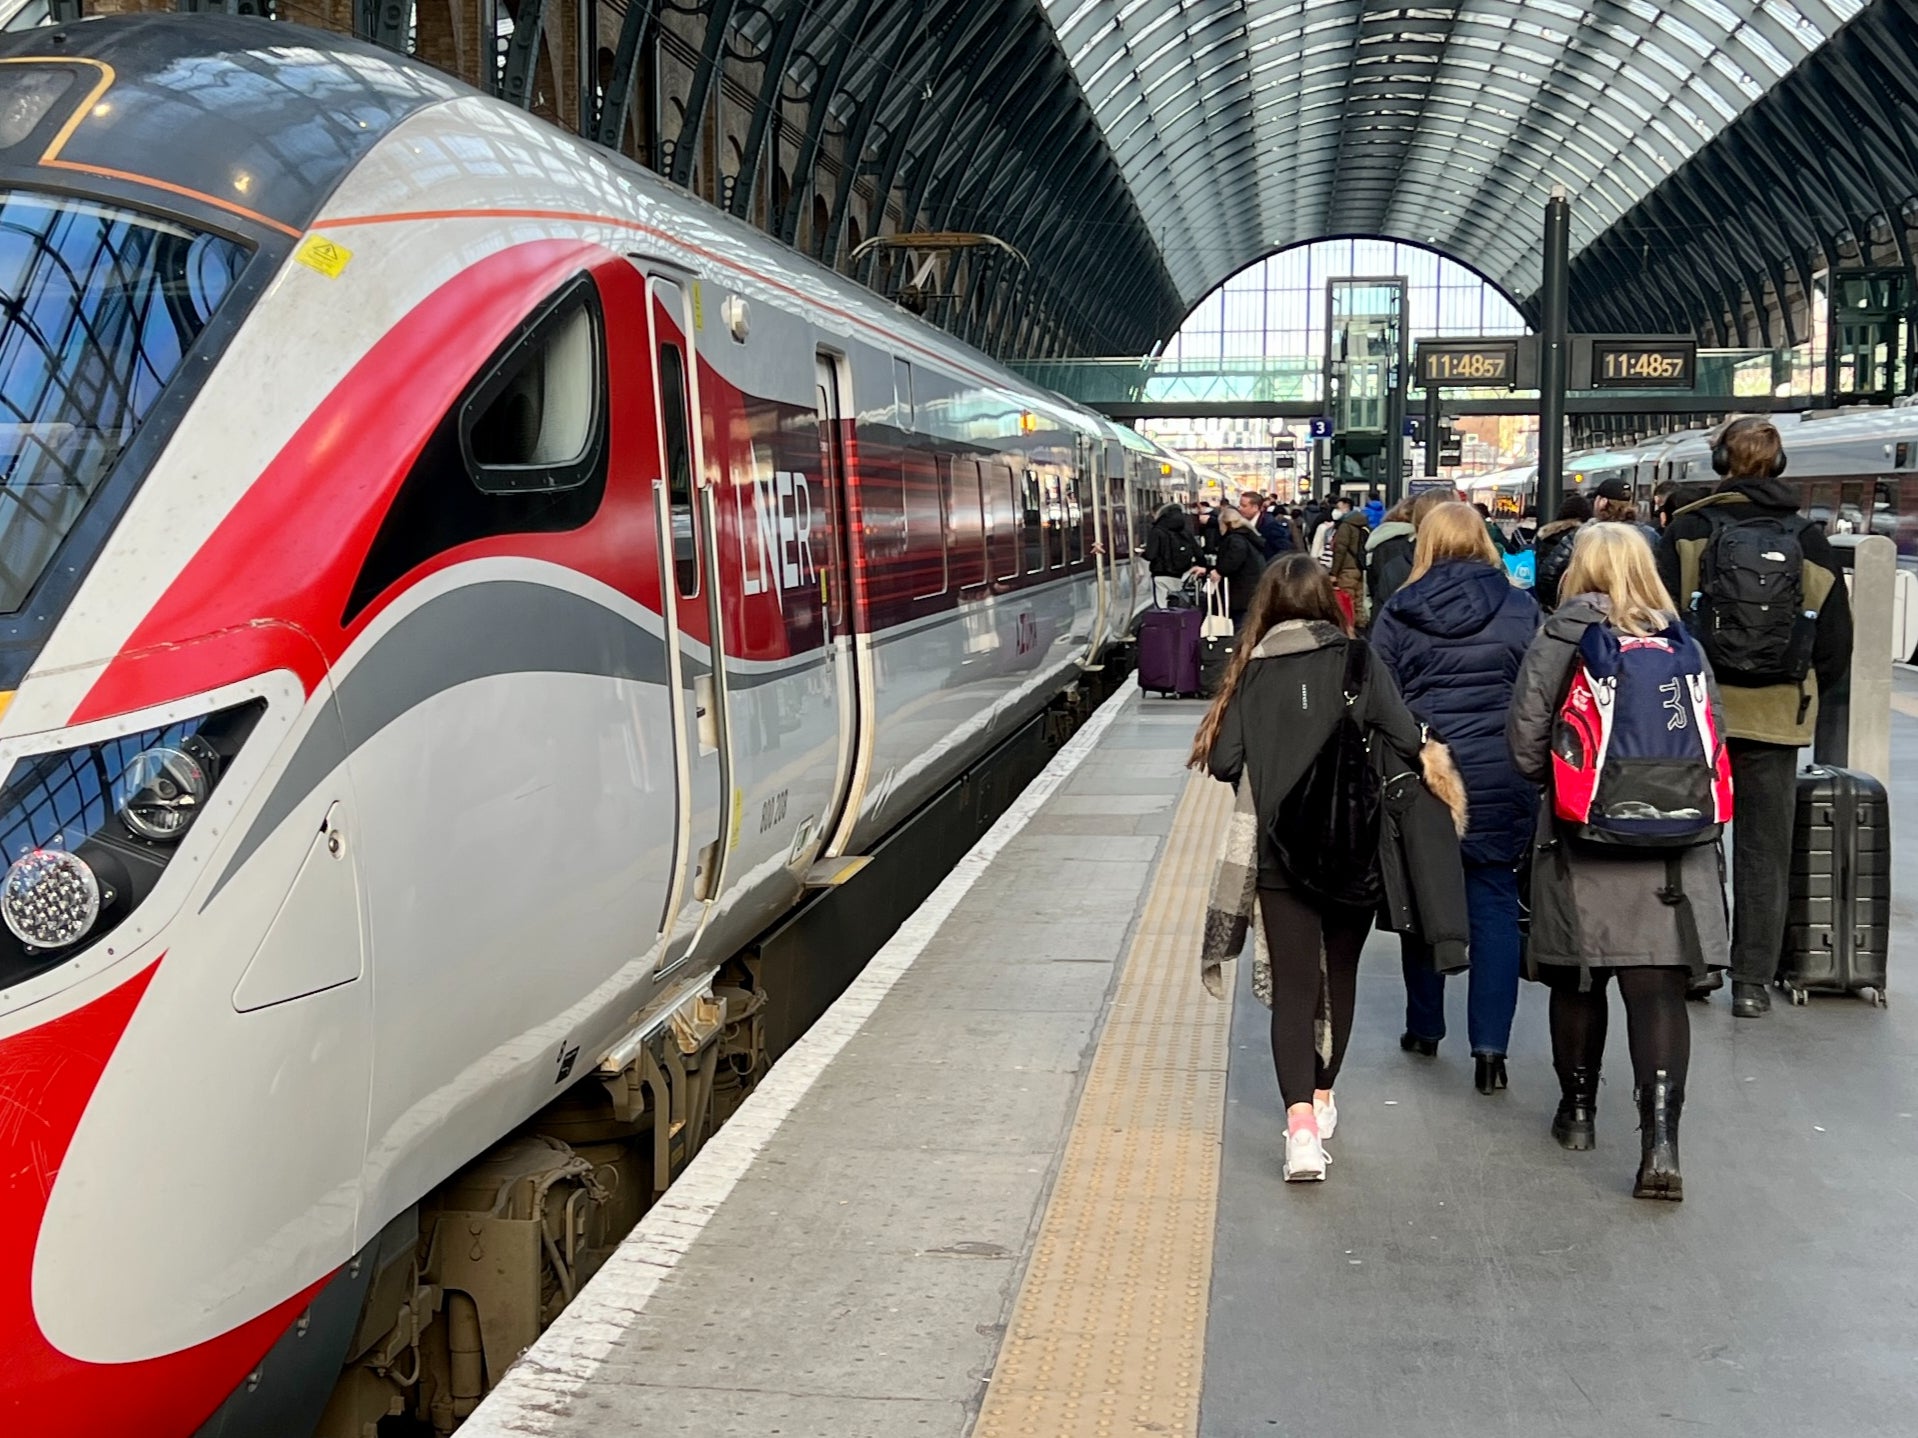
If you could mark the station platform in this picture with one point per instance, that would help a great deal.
(1024, 1179)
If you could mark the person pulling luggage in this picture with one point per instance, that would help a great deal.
(1171, 553)
(1759, 588)
(1299, 703)
(1237, 562)
(1627, 878)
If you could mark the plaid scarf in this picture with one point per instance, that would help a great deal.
(1235, 883)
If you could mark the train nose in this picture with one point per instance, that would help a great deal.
(49, 1074)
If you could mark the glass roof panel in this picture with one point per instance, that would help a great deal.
(1447, 123)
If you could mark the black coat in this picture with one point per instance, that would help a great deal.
(1170, 549)
(1551, 557)
(1283, 712)
(1240, 560)
(1275, 534)
(1422, 870)
(1454, 639)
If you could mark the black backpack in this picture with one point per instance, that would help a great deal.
(1327, 828)
(1749, 610)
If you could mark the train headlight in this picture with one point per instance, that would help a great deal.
(50, 898)
(92, 828)
(163, 789)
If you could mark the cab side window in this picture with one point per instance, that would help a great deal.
(521, 451)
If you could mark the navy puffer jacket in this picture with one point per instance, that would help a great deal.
(1454, 640)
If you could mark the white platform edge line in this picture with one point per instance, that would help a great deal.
(535, 1396)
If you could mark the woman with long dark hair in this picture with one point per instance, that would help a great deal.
(1284, 694)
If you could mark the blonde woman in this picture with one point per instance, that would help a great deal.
(1239, 561)
(1453, 636)
(1599, 916)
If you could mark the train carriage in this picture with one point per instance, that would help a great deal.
(457, 588)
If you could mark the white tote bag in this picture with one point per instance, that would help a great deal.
(1218, 619)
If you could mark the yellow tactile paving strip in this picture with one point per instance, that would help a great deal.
(1107, 1339)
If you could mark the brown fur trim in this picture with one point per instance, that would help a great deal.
(1443, 779)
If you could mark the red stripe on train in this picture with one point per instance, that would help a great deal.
(47, 1077)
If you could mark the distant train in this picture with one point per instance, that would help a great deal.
(1855, 470)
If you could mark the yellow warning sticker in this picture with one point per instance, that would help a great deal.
(329, 257)
(699, 307)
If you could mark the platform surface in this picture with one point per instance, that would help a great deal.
(1024, 1180)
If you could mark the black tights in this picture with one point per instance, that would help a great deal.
(1656, 1020)
(1294, 931)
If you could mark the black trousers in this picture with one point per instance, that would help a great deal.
(1765, 790)
(1656, 1019)
(1294, 932)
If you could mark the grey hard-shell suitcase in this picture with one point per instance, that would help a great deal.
(1838, 922)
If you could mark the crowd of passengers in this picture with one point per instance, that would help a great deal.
(1405, 628)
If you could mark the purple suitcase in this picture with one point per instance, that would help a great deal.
(1169, 651)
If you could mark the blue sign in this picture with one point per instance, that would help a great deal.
(1321, 428)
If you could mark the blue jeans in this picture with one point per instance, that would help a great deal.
(1491, 898)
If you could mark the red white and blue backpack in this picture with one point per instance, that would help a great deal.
(1637, 759)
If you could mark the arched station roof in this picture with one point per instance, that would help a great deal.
(1244, 126)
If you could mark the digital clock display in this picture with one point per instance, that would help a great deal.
(1668, 365)
(1465, 366)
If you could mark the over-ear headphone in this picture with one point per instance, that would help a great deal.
(1721, 446)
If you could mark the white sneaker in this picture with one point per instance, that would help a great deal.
(1304, 1157)
(1327, 1114)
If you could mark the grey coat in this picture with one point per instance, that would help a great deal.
(1600, 909)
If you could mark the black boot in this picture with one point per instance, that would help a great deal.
(1575, 1125)
(1413, 1044)
(1659, 1105)
(1750, 1000)
(1488, 1072)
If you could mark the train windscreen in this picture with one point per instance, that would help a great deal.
(98, 307)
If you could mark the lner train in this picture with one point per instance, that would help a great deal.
(455, 588)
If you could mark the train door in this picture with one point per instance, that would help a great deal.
(695, 658)
(835, 577)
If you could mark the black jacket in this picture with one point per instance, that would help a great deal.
(1423, 871)
(1240, 560)
(1282, 714)
(1551, 556)
(1170, 549)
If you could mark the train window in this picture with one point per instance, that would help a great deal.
(904, 413)
(1004, 537)
(1055, 523)
(1884, 510)
(675, 415)
(966, 511)
(1032, 526)
(928, 479)
(1076, 518)
(98, 310)
(449, 498)
(535, 422)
